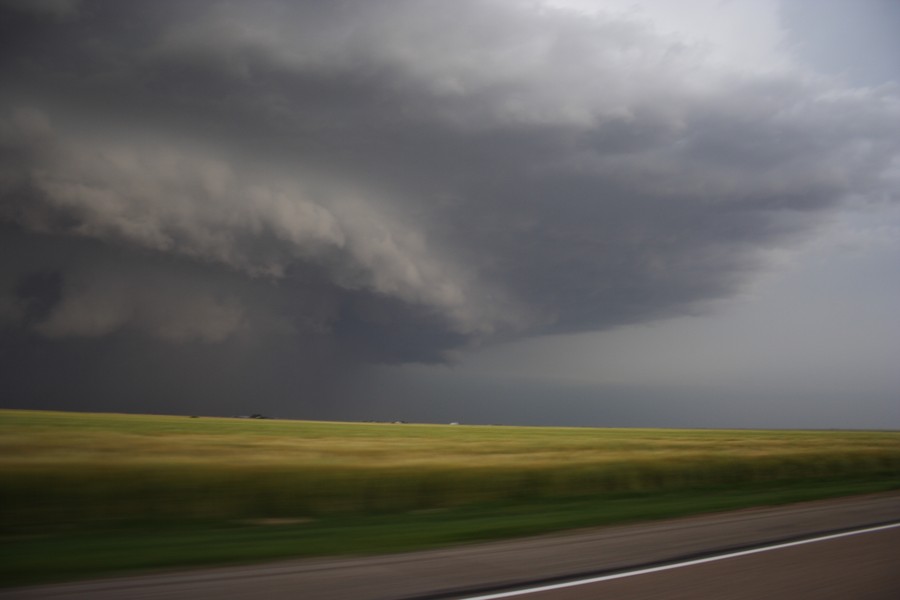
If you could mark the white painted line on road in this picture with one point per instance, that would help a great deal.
(688, 563)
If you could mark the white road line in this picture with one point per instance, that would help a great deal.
(688, 563)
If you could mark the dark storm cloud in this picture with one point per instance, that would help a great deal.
(390, 181)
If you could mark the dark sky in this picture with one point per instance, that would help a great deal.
(565, 212)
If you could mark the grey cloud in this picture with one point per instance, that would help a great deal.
(161, 198)
(62, 288)
(58, 9)
(170, 200)
(97, 304)
(419, 176)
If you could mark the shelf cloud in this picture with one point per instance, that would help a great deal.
(389, 182)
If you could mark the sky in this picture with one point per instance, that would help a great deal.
(625, 213)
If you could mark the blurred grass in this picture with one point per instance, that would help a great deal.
(195, 490)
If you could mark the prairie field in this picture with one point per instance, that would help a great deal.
(78, 473)
(60, 467)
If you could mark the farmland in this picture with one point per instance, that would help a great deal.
(239, 489)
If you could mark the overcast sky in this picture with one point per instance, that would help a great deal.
(576, 212)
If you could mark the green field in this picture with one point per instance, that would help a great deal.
(91, 493)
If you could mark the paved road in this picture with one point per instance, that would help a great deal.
(862, 567)
(472, 570)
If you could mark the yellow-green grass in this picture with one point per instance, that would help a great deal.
(85, 493)
(67, 467)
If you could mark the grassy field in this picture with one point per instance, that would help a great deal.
(89, 493)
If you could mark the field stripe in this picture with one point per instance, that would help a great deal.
(678, 565)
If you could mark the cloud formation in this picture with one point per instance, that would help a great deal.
(403, 178)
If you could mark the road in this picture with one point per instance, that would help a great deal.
(862, 566)
(867, 564)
